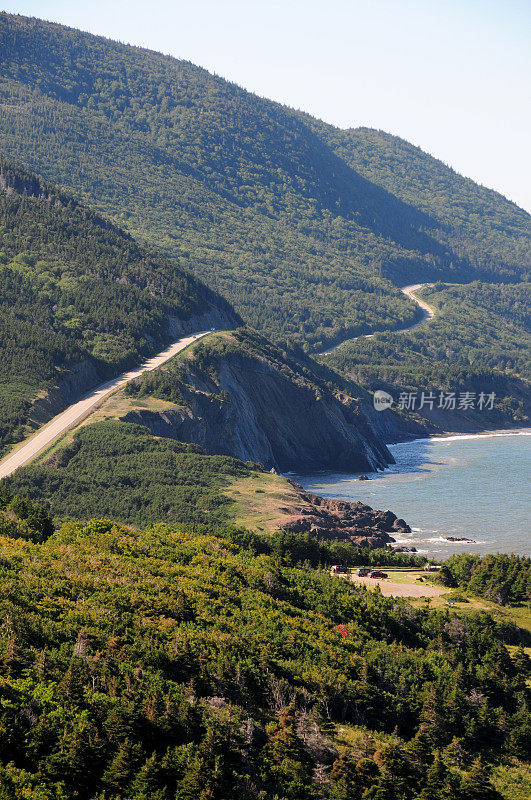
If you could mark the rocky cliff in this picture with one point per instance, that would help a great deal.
(239, 395)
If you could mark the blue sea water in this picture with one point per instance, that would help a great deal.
(474, 486)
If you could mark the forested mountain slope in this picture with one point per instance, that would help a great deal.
(258, 200)
(478, 225)
(478, 341)
(79, 298)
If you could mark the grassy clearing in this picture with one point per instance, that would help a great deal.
(512, 648)
(119, 404)
(520, 614)
(261, 501)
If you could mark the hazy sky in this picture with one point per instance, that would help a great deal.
(452, 76)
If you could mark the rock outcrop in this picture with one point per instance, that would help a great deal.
(340, 519)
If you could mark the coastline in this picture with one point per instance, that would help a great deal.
(520, 430)
(434, 437)
(449, 490)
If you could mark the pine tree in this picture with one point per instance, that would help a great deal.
(522, 662)
(121, 769)
(146, 784)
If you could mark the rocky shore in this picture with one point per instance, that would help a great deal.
(340, 519)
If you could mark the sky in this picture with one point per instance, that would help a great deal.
(451, 76)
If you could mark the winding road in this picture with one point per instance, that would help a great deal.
(429, 312)
(409, 291)
(75, 413)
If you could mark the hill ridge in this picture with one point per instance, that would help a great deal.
(255, 198)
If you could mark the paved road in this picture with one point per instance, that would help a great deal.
(409, 291)
(75, 413)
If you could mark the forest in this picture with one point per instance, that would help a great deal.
(502, 578)
(122, 471)
(167, 664)
(305, 229)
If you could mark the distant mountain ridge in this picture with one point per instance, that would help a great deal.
(303, 227)
(462, 212)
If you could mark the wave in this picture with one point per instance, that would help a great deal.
(429, 538)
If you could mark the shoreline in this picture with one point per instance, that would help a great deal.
(484, 434)
(464, 486)
(436, 437)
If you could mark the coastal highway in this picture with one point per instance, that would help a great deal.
(75, 413)
(409, 291)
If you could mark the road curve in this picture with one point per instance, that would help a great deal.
(409, 291)
(75, 413)
(429, 312)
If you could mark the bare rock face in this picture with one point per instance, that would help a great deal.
(340, 519)
(80, 379)
(259, 410)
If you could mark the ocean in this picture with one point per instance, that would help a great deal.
(473, 486)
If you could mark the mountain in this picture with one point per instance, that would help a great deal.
(303, 228)
(80, 300)
(484, 230)
(188, 441)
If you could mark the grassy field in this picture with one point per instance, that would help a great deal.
(520, 614)
(261, 502)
